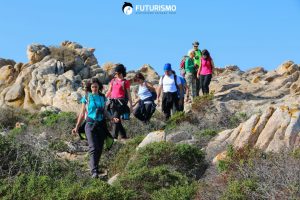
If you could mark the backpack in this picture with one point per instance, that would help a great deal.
(154, 94)
(182, 67)
(182, 63)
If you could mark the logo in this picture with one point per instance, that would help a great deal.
(127, 8)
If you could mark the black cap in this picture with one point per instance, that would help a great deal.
(196, 43)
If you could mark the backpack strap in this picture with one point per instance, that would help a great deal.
(175, 80)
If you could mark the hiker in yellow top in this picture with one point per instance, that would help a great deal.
(197, 62)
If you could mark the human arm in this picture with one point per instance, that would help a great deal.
(108, 93)
(80, 119)
(150, 86)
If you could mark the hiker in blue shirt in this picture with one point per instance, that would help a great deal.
(93, 109)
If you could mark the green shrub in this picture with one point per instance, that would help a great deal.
(65, 55)
(186, 159)
(296, 153)
(176, 119)
(223, 165)
(9, 117)
(15, 132)
(144, 181)
(53, 119)
(123, 155)
(16, 158)
(237, 118)
(58, 145)
(206, 133)
(135, 127)
(236, 157)
(59, 125)
(34, 187)
(185, 192)
(202, 103)
(254, 174)
(238, 190)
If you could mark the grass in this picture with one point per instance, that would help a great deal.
(202, 103)
(176, 119)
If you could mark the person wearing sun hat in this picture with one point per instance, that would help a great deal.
(170, 84)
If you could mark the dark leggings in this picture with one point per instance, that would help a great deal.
(169, 102)
(144, 111)
(118, 127)
(118, 108)
(95, 139)
(204, 83)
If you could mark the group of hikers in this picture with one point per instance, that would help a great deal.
(116, 105)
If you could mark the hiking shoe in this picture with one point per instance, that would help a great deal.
(95, 175)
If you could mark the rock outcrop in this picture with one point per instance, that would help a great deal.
(274, 130)
(53, 76)
(256, 89)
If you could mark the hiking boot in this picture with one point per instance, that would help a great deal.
(95, 175)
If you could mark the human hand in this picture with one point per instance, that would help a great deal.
(74, 131)
(115, 120)
(180, 101)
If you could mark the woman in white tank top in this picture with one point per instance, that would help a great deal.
(146, 105)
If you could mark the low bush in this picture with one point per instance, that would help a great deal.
(145, 181)
(184, 158)
(123, 155)
(201, 103)
(176, 119)
(254, 174)
(68, 187)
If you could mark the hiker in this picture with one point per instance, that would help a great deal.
(190, 75)
(185, 90)
(119, 96)
(182, 65)
(93, 106)
(170, 84)
(147, 96)
(197, 62)
(205, 71)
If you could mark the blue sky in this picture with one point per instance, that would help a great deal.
(247, 33)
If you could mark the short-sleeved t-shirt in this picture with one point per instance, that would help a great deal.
(117, 90)
(95, 101)
(168, 83)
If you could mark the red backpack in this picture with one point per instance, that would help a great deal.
(182, 63)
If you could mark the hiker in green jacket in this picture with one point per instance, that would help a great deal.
(190, 75)
(197, 62)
